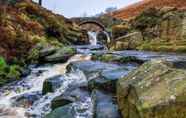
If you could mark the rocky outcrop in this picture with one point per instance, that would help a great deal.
(162, 29)
(155, 89)
(129, 41)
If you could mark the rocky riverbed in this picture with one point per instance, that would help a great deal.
(83, 87)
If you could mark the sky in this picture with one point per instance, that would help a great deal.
(76, 8)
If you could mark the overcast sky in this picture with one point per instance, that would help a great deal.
(74, 8)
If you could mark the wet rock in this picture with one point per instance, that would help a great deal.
(25, 72)
(62, 112)
(116, 58)
(178, 60)
(59, 101)
(107, 80)
(71, 95)
(61, 55)
(155, 89)
(51, 84)
(104, 105)
(26, 100)
(91, 69)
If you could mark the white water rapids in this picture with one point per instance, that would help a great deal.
(34, 83)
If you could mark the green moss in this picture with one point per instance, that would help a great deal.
(2, 64)
(163, 46)
(115, 58)
(14, 72)
(129, 59)
(8, 73)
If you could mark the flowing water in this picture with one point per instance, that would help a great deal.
(33, 83)
(93, 38)
(24, 99)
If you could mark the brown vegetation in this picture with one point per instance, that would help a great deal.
(23, 24)
(135, 9)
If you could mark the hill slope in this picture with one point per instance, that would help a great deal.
(135, 9)
(24, 26)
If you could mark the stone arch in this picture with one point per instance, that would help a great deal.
(92, 25)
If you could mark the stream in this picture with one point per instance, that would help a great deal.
(24, 98)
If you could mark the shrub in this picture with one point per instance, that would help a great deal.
(3, 64)
(8, 72)
(14, 72)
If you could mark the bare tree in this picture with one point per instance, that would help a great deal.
(40, 2)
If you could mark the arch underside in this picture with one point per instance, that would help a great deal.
(92, 26)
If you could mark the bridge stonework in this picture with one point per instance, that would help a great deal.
(93, 26)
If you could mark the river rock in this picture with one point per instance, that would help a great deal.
(178, 60)
(47, 51)
(107, 80)
(51, 84)
(61, 55)
(154, 90)
(69, 96)
(104, 105)
(59, 102)
(25, 100)
(91, 69)
(62, 112)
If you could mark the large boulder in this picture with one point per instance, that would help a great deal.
(61, 54)
(107, 80)
(91, 69)
(154, 90)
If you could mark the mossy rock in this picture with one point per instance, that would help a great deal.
(59, 102)
(154, 90)
(116, 58)
(52, 83)
(61, 55)
(129, 41)
(62, 112)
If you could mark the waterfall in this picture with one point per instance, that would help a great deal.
(92, 38)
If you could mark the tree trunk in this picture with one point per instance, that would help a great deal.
(40, 2)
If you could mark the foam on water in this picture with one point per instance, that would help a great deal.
(34, 83)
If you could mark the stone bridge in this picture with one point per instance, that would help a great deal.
(92, 25)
